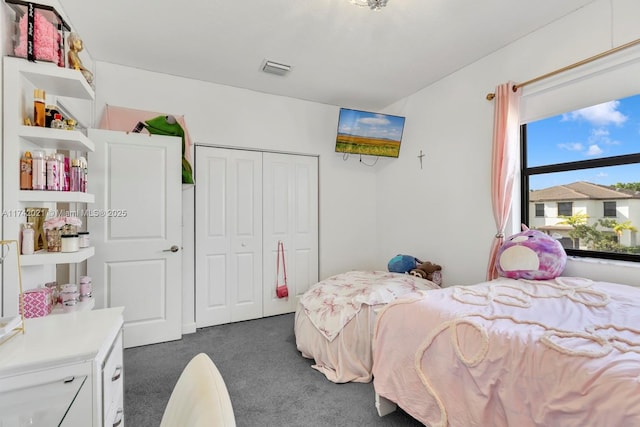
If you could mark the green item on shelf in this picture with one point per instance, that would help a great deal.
(168, 125)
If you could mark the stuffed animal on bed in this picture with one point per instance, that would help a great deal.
(428, 270)
(531, 254)
(402, 263)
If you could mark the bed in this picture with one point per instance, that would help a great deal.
(562, 352)
(334, 319)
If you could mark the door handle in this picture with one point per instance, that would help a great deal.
(174, 248)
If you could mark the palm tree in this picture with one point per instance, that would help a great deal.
(618, 228)
(578, 223)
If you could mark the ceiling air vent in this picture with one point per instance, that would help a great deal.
(276, 68)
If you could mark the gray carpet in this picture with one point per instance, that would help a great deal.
(269, 382)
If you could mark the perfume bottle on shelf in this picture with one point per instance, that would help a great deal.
(26, 176)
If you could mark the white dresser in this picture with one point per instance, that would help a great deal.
(66, 370)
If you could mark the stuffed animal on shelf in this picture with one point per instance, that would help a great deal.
(168, 125)
(428, 270)
(531, 254)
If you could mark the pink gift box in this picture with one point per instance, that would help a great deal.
(37, 302)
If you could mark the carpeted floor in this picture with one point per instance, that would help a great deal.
(269, 382)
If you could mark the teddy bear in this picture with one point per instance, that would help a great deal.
(428, 270)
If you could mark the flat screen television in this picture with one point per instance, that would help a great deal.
(373, 134)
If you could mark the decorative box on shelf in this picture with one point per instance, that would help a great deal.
(39, 32)
(36, 302)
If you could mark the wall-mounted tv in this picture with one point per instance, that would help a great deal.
(373, 134)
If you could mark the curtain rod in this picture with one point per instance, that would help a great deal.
(492, 95)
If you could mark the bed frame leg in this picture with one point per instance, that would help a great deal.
(384, 406)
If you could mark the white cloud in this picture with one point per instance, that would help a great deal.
(601, 136)
(602, 175)
(378, 120)
(599, 115)
(594, 150)
(571, 146)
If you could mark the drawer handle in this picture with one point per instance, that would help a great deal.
(117, 373)
(120, 413)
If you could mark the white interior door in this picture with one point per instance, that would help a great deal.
(228, 223)
(290, 203)
(136, 179)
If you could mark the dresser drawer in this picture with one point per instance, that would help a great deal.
(113, 383)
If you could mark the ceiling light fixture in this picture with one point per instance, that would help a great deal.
(371, 4)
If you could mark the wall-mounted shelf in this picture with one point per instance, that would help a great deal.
(44, 257)
(55, 196)
(58, 139)
(53, 79)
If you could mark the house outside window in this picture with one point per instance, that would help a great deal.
(610, 210)
(581, 171)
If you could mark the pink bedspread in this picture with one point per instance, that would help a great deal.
(563, 352)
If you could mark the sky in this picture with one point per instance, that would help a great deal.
(371, 125)
(608, 129)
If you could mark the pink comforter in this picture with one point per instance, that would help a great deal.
(559, 353)
(334, 320)
(333, 302)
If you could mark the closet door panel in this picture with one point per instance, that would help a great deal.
(229, 234)
(245, 196)
(290, 199)
(306, 223)
(216, 274)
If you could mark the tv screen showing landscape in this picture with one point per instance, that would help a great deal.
(373, 134)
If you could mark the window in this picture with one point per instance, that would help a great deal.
(565, 209)
(610, 210)
(587, 162)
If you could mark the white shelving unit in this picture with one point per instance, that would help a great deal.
(55, 196)
(21, 77)
(44, 257)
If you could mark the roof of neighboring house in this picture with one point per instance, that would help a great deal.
(581, 190)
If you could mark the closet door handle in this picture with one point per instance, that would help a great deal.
(174, 248)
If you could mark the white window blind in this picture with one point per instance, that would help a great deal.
(612, 77)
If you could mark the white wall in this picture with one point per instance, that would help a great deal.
(228, 116)
(443, 212)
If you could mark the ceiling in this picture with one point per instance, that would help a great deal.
(340, 54)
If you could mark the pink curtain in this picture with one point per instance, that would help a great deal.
(506, 127)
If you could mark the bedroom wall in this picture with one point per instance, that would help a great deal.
(445, 213)
(227, 116)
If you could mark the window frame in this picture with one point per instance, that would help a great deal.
(543, 210)
(526, 172)
(565, 203)
(604, 209)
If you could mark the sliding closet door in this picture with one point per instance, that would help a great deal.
(228, 223)
(290, 203)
